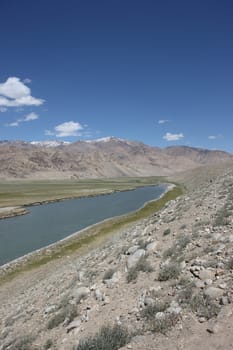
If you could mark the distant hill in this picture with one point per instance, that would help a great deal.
(107, 157)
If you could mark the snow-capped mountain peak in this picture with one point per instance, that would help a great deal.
(53, 143)
(106, 139)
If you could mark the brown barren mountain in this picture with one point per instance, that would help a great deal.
(109, 157)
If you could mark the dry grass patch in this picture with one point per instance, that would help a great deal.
(143, 265)
(151, 310)
(23, 343)
(161, 323)
(67, 314)
(170, 271)
(108, 274)
(108, 338)
(203, 306)
(230, 264)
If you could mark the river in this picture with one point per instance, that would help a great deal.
(49, 223)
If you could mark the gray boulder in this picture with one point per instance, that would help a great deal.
(213, 292)
(80, 293)
(99, 295)
(73, 325)
(134, 258)
(132, 249)
(151, 247)
(206, 275)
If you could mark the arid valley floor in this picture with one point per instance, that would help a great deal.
(164, 282)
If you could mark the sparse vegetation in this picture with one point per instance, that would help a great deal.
(222, 217)
(168, 253)
(202, 223)
(108, 274)
(90, 274)
(209, 248)
(23, 343)
(57, 319)
(123, 250)
(161, 323)
(151, 310)
(230, 264)
(132, 275)
(108, 338)
(167, 232)
(182, 227)
(169, 271)
(142, 244)
(143, 265)
(177, 256)
(182, 242)
(176, 252)
(48, 344)
(186, 291)
(204, 306)
(67, 314)
(211, 263)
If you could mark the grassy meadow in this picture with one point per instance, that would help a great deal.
(26, 192)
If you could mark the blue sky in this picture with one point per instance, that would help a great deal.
(160, 72)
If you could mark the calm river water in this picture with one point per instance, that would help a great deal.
(49, 223)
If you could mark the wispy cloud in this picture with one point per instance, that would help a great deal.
(66, 129)
(27, 81)
(12, 124)
(3, 109)
(14, 93)
(28, 118)
(214, 137)
(163, 121)
(49, 133)
(173, 137)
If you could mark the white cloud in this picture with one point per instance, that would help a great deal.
(214, 137)
(14, 93)
(172, 137)
(28, 118)
(27, 81)
(14, 88)
(3, 109)
(68, 129)
(163, 121)
(49, 133)
(12, 124)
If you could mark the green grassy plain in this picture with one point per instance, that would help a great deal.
(26, 192)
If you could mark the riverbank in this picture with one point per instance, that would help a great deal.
(165, 280)
(23, 193)
(88, 236)
(9, 212)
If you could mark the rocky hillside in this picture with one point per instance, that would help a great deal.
(162, 283)
(109, 157)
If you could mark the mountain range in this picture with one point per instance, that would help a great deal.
(106, 157)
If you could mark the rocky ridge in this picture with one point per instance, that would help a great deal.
(167, 280)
